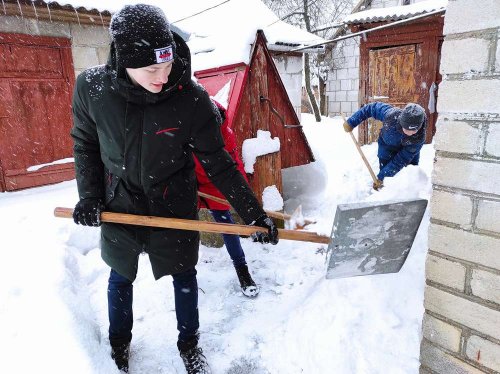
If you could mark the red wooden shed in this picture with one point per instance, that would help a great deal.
(257, 100)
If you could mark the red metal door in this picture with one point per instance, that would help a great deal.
(36, 80)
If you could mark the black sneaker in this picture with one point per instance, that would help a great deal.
(120, 354)
(195, 362)
(248, 286)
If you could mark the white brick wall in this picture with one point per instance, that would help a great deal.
(451, 207)
(441, 362)
(84, 57)
(483, 352)
(493, 141)
(441, 333)
(89, 35)
(465, 245)
(290, 71)
(447, 273)
(484, 92)
(476, 59)
(463, 311)
(466, 174)
(343, 91)
(486, 285)
(472, 17)
(463, 265)
(458, 137)
(488, 216)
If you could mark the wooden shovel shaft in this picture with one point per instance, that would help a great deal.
(193, 225)
(374, 177)
(277, 215)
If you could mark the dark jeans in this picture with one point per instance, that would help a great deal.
(120, 297)
(232, 242)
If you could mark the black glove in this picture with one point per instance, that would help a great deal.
(271, 236)
(88, 212)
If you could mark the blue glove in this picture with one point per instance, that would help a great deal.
(87, 212)
(271, 236)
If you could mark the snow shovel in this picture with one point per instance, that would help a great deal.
(367, 238)
(372, 238)
(277, 215)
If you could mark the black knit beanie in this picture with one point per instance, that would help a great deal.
(142, 36)
(412, 117)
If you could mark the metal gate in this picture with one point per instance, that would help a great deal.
(36, 83)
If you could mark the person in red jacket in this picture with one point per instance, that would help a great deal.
(220, 212)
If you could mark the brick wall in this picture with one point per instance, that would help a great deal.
(342, 87)
(461, 325)
(290, 71)
(90, 46)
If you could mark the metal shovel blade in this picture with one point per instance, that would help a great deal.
(372, 238)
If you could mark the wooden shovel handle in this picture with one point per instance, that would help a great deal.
(374, 177)
(277, 215)
(193, 225)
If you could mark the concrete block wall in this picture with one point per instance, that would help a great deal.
(290, 71)
(342, 86)
(90, 44)
(461, 325)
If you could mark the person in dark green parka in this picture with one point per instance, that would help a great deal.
(137, 122)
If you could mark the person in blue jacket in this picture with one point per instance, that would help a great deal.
(401, 137)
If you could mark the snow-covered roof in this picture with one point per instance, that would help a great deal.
(221, 32)
(396, 13)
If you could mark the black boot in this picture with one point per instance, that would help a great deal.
(120, 353)
(195, 362)
(248, 286)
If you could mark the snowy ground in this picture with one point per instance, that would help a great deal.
(53, 310)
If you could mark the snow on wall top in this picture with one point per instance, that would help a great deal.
(395, 13)
(219, 36)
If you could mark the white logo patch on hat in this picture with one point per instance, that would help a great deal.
(164, 54)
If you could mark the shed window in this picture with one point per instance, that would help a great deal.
(405, 2)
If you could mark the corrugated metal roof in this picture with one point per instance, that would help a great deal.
(395, 13)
